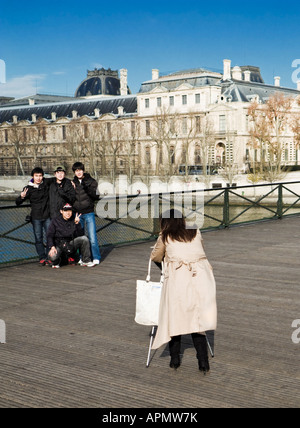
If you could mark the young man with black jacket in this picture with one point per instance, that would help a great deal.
(65, 236)
(37, 191)
(61, 191)
(86, 195)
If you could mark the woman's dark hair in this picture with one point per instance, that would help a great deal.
(173, 226)
(37, 170)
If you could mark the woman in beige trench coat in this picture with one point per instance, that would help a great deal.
(188, 301)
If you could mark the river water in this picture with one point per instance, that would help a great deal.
(17, 240)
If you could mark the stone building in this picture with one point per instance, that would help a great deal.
(178, 123)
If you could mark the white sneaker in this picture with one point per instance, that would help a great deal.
(89, 264)
(55, 266)
(80, 262)
(96, 262)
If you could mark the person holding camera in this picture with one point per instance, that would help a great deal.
(65, 236)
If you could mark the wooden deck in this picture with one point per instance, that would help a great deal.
(72, 340)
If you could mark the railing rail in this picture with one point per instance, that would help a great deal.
(221, 207)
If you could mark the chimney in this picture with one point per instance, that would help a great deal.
(277, 81)
(123, 79)
(31, 101)
(97, 112)
(120, 110)
(298, 85)
(74, 114)
(53, 116)
(33, 116)
(15, 119)
(226, 69)
(247, 74)
(237, 73)
(155, 74)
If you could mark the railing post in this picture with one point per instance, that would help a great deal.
(226, 208)
(279, 202)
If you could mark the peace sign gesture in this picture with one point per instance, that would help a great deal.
(24, 193)
(77, 218)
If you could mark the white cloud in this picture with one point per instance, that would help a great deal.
(23, 86)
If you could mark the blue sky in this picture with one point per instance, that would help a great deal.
(48, 46)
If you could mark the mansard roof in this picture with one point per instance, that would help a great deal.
(194, 77)
(64, 109)
(242, 91)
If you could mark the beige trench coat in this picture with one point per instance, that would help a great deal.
(188, 300)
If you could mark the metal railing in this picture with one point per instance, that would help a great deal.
(136, 218)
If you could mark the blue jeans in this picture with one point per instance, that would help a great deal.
(88, 221)
(38, 227)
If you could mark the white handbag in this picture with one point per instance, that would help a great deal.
(148, 299)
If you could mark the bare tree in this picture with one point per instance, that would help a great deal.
(17, 141)
(269, 122)
(75, 139)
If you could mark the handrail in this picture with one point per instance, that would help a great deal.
(225, 207)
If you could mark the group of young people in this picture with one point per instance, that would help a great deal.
(61, 209)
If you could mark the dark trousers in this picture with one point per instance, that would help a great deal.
(82, 243)
(40, 228)
(200, 344)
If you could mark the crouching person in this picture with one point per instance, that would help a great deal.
(65, 236)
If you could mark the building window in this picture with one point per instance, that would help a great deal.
(63, 132)
(171, 101)
(132, 127)
(6, 135)
(108, 129)
(147, 127)
(24, 135)
(172, 155)
(147, 103)
(184, 100)
(148, 157)
(184, 125)
(86, 131)
(197, 98)
(42, 133)
(198, 124)
(159, 102)
(222, 123)
(197, 155)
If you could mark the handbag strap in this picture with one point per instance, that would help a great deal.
(149, 271)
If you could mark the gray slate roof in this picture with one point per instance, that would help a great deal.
(64, 109)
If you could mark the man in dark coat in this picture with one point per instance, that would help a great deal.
(37, 192)
(86, 195)
(65, 236)
(61, 191)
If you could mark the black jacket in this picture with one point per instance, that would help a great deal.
(59, 195)
(61, 229)
(39, 199)
(86, 194)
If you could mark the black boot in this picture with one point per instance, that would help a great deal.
(174, 347)
(202, 355)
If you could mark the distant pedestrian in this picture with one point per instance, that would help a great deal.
(86, 196)
(37, 192)
(61, 191)
(188, 301)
